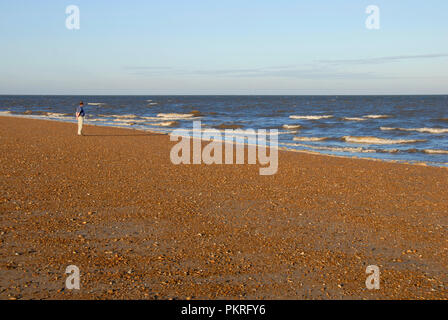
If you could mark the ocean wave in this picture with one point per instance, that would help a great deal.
(126, 123)
(249, 132)
(176, 115)
(334, 149)
(96, 103)
(311, 117)
(422, 130)
(291, 126)
(196, 113)
(165, 124)
(388, 150)
(37, 113)
(310, 138)
(124, 116)
(59, 115)
(375, 140)
(235, 132)
(152, 103)
(151, 118)
(431, 130)
(129, 120)
(377, 116)
(99, 119)
(435, 151)
(354, 119)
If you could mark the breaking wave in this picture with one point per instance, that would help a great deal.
(375, 140)
(310, 138)
(422, 130)
(354, 119)
(124, 116)
(377, 116)
(291, 126)
(311, 117)
(334, 149)
(99, 120)
(165, 124)
(129, 120)
(175, 115)
(435, 151)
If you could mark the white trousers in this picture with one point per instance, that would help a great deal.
(80, 123)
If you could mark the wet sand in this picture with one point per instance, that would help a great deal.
(139, 227)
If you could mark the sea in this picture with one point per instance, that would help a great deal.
(401, 128)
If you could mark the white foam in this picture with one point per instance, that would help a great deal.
(354, 119)
(422, 130)
(376, 116)
(175, 115)
(311, 117)
(163, 124)
(375, 140)
(435, 151)
(125, 123)
(96, 103)
(291, 126)
(124, 116)
(309, 138)
(235, 132)
(335, 149)
(58, 115)
(129, 120)
(268, 133)
(151, 118)
(390, 150)
(98, 119)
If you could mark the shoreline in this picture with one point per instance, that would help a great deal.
(279, 148)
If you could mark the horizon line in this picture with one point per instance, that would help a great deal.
(248, 94)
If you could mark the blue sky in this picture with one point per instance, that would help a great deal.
(224, 47)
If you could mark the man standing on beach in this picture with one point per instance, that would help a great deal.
(80, 116)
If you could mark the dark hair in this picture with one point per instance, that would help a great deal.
(81, 103)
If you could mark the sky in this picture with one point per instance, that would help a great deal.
(223, 47)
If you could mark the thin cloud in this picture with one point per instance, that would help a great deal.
(385, 59)
(321, 69)
(146, 68)
(290, 72)
(304, 72)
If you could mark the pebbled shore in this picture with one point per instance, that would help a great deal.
(139, 227)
